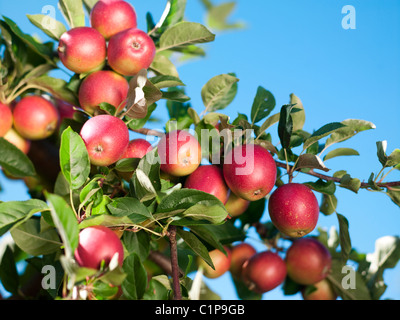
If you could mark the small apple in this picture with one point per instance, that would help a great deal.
(6, 119)
(35, 117)
(129, 51)
(221, 263)
(240, 253)
(180, 153)
(137, 148)
(323, 291)
(15, 138)
(106, 137)
(208, 178)
(112, 16)
(236, 205)
(264, 271)
(103, 86)
(308, 261)
(249, 171)
(294, 209)
(82, 49)
(97, 244)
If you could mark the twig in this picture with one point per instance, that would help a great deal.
(148, 132)
(163, 262)
(174, 263)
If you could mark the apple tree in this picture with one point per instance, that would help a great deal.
(114, 218)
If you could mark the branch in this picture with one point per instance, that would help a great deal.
(174, 263)
(337, 180)
(163, 262)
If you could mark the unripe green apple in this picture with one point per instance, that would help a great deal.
(323, 291)
(240, 253)
(82, 49)
(180, 153)
(130, 50)
(221, 263)
(236, 205)
(308, 261)
(294, 209)
(15, 138)
(6, 119)
(112, 16)
(103, 86)
(249, 171)
(106, 138)
(208, 178)
(35, 117)
(97, 244)
(264, 271)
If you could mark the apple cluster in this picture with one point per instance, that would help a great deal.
(307, 263)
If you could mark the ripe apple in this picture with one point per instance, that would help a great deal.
(137, 148)
(6, 119)
(103, 86)
(106, 137)
(112, 16)
(294, 209)
(35, 117)
(249, 171)
(82, 49)
(236, 205)
(221, 263)
(180, 153)
(323, 291)
(65, 109)
(15, 138)
(308, 261)
(208, 178)
(264, 271)
(130, 50)
(98, 243)
(240, 253)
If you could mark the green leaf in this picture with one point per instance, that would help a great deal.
(14, 161)
(65, 221)
(135, 283)
(328, 204)
(184, 33)
(325, 187)
(322, 132)
(299, 117)
(217, 92)
(132, 208)
(74, 159)
(135, 124)
(393, 158)
(217, 17)
(138, 242)
(196, 245)
(161, 65)
(264, 102)
(175, 95)
(353, 184)
(8, 271)
(89, 4)
(311, 161)
(73, 12)
(50, 26)
(166, 81)
(201, 214)
(35, 238)
(341, 152)
(14, 212)
(344, 237)
(269, 122)
(285, 125)
(176, 13)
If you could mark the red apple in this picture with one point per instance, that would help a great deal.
(294, 209)
(180, 153)
(236, 205)
(130, 50)
(221, 263)
(97, 244)
(35, 117)
(264, 271)
(240, 253)
(15, 138)
(6, 119)
(249, 171)
(106, 137)
(137, 148)
(323, 291)
(103, 86)
(308, 261)
(208, 178)
(112, 16)
(65, 109)
(82, 49)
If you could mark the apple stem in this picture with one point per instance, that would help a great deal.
(174, 263)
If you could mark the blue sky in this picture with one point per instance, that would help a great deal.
(300, 47)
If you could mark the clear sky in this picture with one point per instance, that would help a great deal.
(300, 47)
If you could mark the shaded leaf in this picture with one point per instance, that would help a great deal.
(264, 102)
(14, 161)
